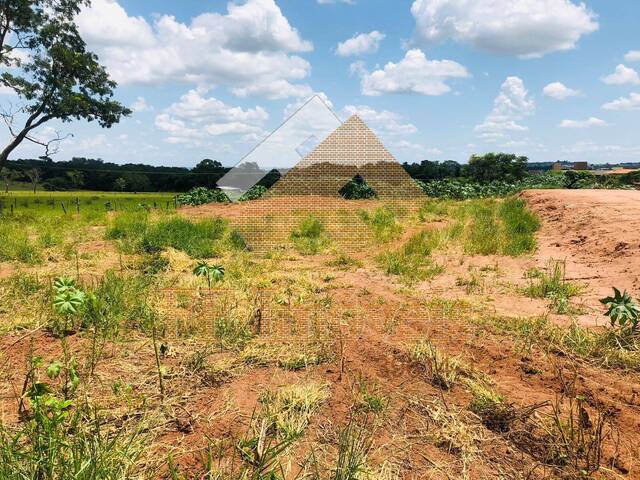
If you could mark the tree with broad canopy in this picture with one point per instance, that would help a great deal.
(48, 68)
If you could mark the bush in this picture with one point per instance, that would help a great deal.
(357, 189)
(254, 193)
(202, 195)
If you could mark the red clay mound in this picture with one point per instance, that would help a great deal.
(597, 231)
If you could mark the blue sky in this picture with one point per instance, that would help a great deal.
(437, 79)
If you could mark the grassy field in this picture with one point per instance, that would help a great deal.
(140, 342)
(70, 202)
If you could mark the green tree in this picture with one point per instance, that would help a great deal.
(35, 176)
(497, 166)
(48, 67)
(7, 176)
(76, 178)
(120, 184)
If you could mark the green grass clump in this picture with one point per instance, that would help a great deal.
(309, 238)
(412, 262)
(196, 239)
(383, 223)
(553, 285)
(136, 233)
(607, 349)
(491, 227)
(520, 226)
(15, 244)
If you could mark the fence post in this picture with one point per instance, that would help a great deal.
(78, 204)
(63, 209)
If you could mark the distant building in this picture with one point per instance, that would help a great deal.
(556, 167)
(580, 166)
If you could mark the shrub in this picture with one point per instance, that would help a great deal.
(254, 193)
(202, 195)
(623, 312)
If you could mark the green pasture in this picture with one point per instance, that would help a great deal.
(65, 203)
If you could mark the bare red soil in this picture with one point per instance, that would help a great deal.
(596, 231)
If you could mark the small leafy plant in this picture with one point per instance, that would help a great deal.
(213, 273)
(623, 311)
(67, 301)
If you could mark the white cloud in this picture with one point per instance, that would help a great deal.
(384, 123)
(612, 151)
(632, 56)
(361, 44)
(291, 108)
(589, 122)
(623, 75)
(413, 74)
(512, 104)
(559, 91)
(247, 48)
(632, 102)
(194, 118)
(141, 105)
(527, 28)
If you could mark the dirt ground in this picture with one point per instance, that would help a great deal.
(595, 231)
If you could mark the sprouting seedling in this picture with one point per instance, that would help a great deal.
(623, 311)
(68, 298)
(213, 273)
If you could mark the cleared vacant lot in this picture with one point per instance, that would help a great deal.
(449, 345)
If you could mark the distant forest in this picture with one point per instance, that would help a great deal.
(96, 174)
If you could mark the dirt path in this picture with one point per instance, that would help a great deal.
(596, 231)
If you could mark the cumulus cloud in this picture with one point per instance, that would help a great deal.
(195, 117)
(559, 91)
(141, 105)
(526, 28)
(413, 74)
(632, 102)
(384, 123)
(291, 108)
(361, 44)
(623, 75)
(249, 47)
(512, 104)
(632, 56)
(589, 122)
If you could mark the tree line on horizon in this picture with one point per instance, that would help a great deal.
(82, 173)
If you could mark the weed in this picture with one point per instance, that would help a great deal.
(383, 223)
(63, 440)
(623, 312)
(309, 238)
(195, 239)
(496, 414)
(520, 226)
(553, 286)
(412, 262)
(290, 408)
(344, 262)
(369, 399)
(442, 370)
(473, 284)
(607, 349)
